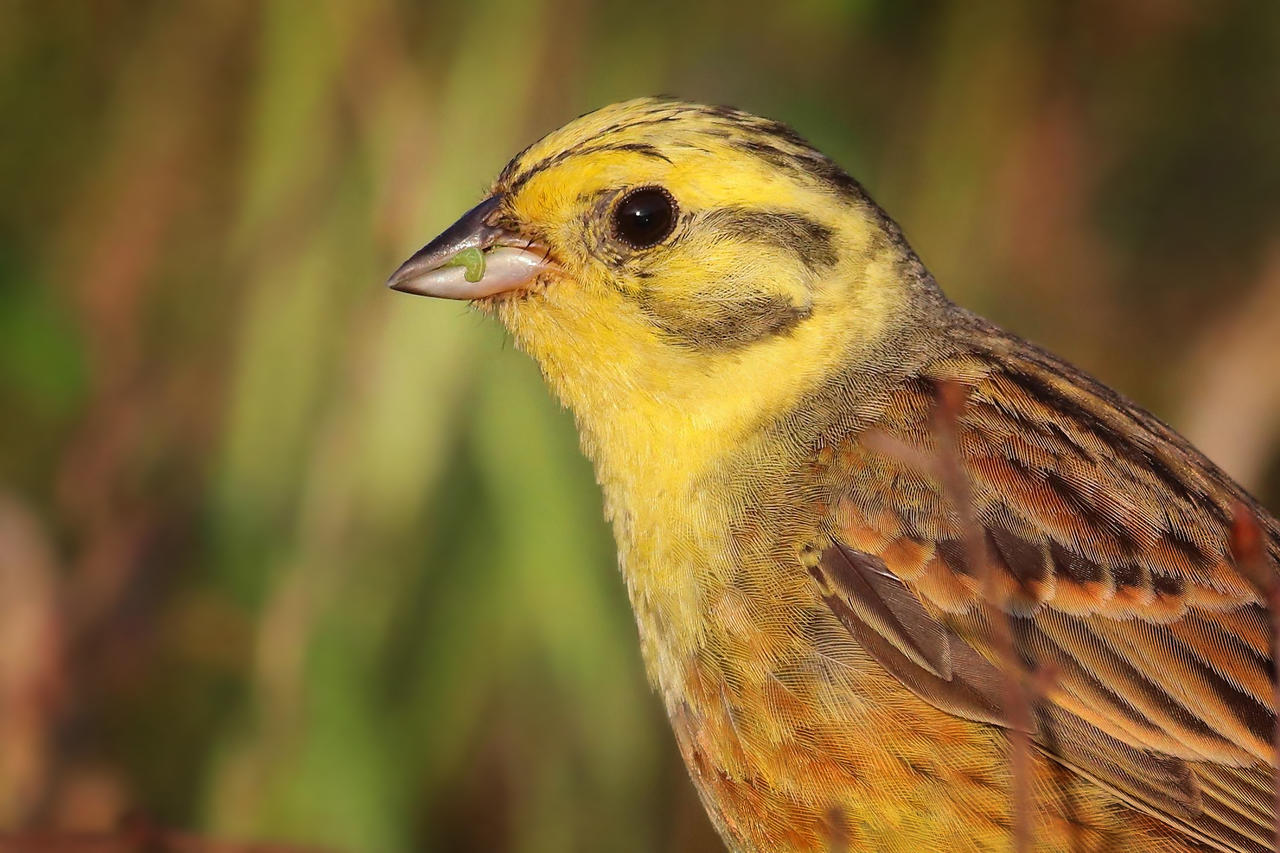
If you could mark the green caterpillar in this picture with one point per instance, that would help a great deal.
(472, 262)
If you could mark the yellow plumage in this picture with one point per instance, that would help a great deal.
(755, 379)
(654, 418)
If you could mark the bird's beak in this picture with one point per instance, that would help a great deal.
(472, 259)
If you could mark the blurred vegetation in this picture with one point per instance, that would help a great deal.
(283, 555)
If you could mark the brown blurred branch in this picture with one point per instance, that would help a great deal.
(124, 474)
(137, 835)
(951, 402)
(1021, 688)
(1248, 548)
(31, 657)
(1234, 413)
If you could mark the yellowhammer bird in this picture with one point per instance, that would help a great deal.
(872, 540)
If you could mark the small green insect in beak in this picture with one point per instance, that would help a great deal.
(472, 262)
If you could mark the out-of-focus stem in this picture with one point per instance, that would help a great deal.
(951, 398)
(1251, 561)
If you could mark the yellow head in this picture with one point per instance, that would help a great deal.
(682, 274)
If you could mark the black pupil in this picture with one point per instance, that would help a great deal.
(644, 217)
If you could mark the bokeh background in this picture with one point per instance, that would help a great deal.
(286, 556)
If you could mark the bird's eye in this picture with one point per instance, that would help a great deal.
(644, 217)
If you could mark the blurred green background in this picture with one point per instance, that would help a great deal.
(285, 555)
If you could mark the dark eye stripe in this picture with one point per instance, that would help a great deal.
(732, 325)
(726, 327)
(811, 241)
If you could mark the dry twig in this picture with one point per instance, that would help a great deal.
(1018, 701)
(1251, 560)
(1021, 688)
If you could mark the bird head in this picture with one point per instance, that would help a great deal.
(679, 267)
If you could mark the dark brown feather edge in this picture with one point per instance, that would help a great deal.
(1161, 786)
(895, 629)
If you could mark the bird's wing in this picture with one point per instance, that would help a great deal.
(1059, 523)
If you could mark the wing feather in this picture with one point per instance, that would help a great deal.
(1109, 539)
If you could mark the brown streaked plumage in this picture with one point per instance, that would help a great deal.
(867, 535)
(1110, 537)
